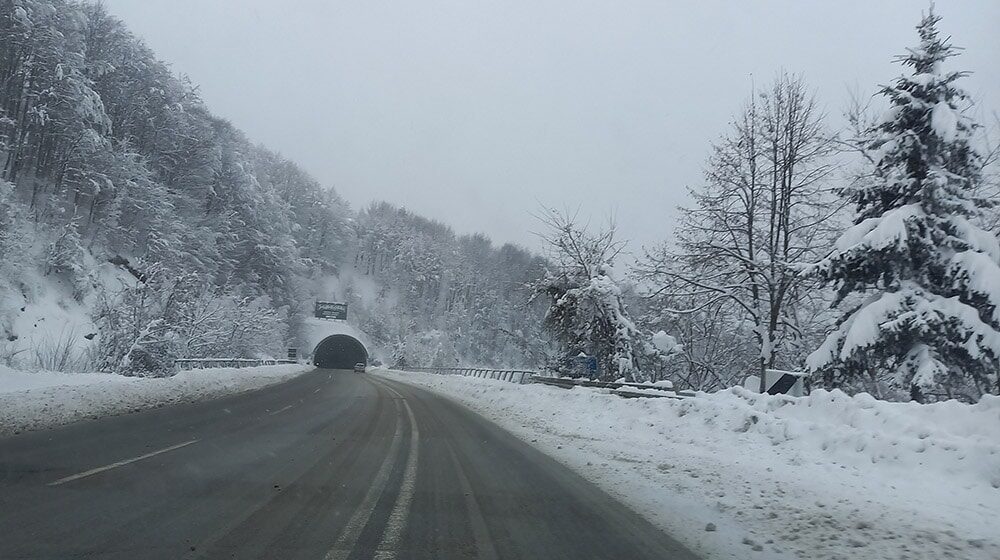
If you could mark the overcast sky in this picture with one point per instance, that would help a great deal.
(475, 113)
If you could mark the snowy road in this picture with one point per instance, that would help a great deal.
(328, 465)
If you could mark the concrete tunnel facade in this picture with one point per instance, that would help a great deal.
(339, 351)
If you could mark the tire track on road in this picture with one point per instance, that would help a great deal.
(396, 524)
(348, 538)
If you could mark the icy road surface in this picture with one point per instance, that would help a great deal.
(330, 464)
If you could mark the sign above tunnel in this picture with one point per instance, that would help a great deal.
(331, 310)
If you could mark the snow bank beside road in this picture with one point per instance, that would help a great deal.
(825, 476)
(30, 401)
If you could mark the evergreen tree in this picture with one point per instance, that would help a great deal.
(921, 278)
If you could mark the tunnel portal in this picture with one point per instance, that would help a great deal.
(340, 351)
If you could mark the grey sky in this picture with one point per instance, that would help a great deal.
(474, 112)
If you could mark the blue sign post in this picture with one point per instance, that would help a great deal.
(582, 365)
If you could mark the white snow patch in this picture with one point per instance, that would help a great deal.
(825, 476)
(887, 230)
(944, 121)
(664, 342)
(30, 401)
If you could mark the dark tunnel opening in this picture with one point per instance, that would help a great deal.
(339, 351)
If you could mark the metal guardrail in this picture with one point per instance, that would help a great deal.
(519, 376)
(627, 390)
(186, 364)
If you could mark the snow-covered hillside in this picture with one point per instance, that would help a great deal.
(736, 474)
(48, 323)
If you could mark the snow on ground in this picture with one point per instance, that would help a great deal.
(740, 475)
(30, 401)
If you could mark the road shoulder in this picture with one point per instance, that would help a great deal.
(698, 472)
(51, 400)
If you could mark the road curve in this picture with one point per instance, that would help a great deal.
(330, 465)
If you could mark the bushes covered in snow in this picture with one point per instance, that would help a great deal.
(147, 324)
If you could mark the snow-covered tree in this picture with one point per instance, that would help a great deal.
(716, 342)
(412, 275)
(921, 280)
(587, 311)
(106, 156)
(766, 204)
(14, 236)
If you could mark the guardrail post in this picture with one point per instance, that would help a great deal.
(518, 376)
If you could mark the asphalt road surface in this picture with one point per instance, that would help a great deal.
(330, 465)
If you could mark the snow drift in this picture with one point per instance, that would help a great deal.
(31, 401)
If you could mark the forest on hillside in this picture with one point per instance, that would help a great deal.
(219, 245)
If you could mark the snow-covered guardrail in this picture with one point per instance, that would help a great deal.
(518, 376)
(205, 363)
(622, 389)
(521, 376)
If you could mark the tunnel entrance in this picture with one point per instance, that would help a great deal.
(339, 351)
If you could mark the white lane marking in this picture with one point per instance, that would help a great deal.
(394, 528)
(282, 409)
(84, 474)
(349, 538)
(480, 532)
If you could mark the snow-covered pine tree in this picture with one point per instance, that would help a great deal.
(921, 278)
